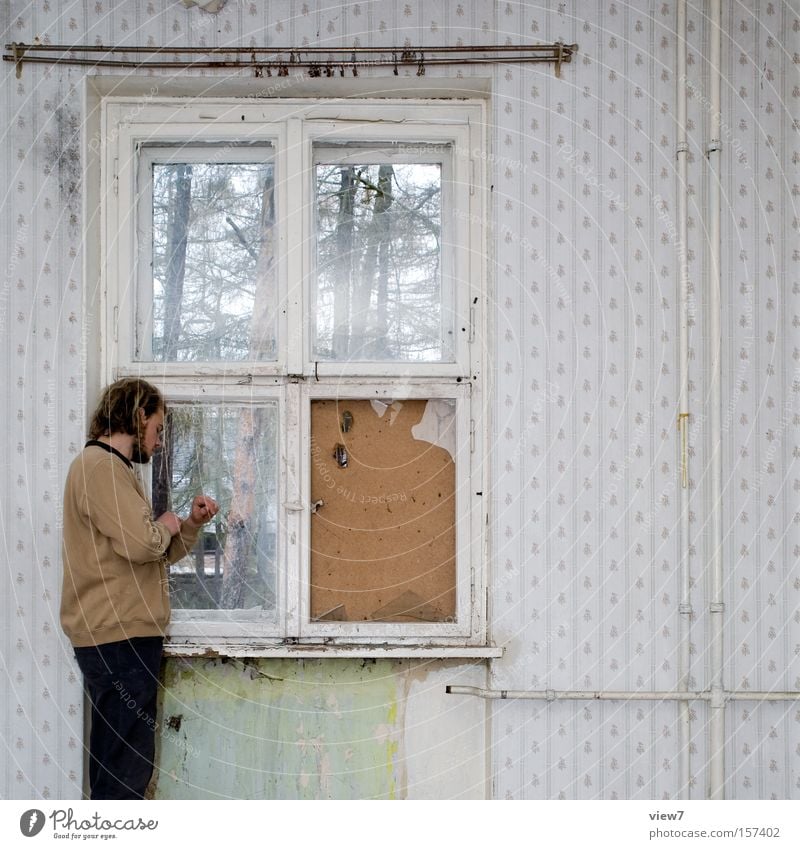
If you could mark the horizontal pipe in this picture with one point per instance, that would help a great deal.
(744, 696)
(618, 695)
(581, 695)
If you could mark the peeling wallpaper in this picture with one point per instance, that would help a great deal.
(325, 729)
(584, 498)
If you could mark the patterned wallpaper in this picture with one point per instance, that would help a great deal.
(42, 388)
(584, 453)
(761, 393)
(586, 495)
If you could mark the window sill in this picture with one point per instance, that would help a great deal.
(316, 650)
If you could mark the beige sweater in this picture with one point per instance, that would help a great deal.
(115, 556)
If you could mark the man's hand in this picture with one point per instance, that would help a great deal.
(203, 510)
(172, 522)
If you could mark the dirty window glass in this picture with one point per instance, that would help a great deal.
(379, 293)
(214, 293)
(230, 453)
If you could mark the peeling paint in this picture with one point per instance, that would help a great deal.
(274, 729)
(318, 729)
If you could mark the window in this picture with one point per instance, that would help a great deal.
(305, 282)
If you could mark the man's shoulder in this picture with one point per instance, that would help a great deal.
(94, 458)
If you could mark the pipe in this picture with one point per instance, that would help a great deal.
(622, 695)
(685, 606)
(579, 695)
(716, 788)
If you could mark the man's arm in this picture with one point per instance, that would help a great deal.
(117, 509)
(182, 543)
(203, 510)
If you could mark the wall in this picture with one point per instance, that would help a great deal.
(761, 392)
(586, 488)
(587, 587)
(584, 454)
(325, 729)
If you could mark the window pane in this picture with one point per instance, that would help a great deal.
(378, 291)
(383, 532)
(214, 285)
(230, 453)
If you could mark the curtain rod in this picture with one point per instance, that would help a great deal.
(316, 61)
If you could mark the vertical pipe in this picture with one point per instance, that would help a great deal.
(685, 607)
(716, 607)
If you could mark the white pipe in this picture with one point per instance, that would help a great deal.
(685, 606)
(623, 695)
(579, 695)
(778, 696)
(716, 788)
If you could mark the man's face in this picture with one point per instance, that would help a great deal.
(148, 440)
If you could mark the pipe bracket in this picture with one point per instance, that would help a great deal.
(713, 146)
(716, 607)
(718, 698)
(685, 609)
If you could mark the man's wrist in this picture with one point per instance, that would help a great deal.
(190, 524)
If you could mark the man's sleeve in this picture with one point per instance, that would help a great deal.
(118, 511)
(183, 543)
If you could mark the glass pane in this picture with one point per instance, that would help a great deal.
(230, 453)
(383, 532)
(214, 285)
(378, 293)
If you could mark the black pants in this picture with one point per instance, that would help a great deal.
(121, 681)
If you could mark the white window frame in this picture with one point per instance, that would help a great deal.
(292, 128)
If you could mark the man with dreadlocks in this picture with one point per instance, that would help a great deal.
(115, 598)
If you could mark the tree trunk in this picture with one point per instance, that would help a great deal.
(383, 222)
(180, 198)
(368, 338)
(344, 263)
(241, 530)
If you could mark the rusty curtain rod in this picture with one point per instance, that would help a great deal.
(322, 60)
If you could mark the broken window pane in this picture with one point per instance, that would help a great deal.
(379, 294)
(230, 453)
(383, 511)
(213, 243)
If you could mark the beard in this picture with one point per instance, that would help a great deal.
(139, 454)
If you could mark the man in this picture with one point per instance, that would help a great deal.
(115, 599)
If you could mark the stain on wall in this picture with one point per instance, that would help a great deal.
(317, 729)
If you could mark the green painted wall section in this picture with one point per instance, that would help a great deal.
(280, 729)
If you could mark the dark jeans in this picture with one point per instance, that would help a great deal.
(121, 681)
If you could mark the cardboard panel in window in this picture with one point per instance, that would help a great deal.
(383, 521)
